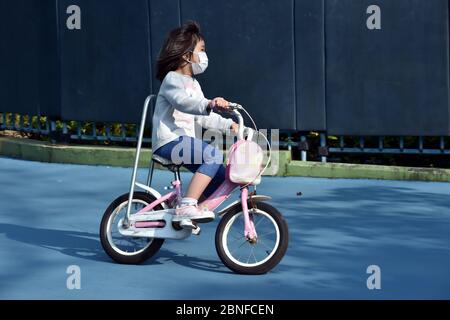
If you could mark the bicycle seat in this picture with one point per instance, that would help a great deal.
(166, 163)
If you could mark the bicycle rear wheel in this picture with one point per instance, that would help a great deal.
(123, 249)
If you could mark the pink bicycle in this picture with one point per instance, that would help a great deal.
(251, 238)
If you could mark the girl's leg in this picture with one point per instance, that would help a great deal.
(201, 158)
(214, 184)
(199, 181)
(198, 184)
(206, 161)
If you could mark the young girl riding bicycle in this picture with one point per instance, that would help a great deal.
(180, 106)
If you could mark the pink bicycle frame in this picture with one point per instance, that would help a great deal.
(212, 202)
(222, 193)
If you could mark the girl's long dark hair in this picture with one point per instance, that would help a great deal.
(179, 42)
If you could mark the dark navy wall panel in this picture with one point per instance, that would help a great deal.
(28, 73)
(164, 16)
(392, 81)
(249, 44)
(310, 64)
(105, 66)
(296, 64)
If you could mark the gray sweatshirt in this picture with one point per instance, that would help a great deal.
(181, 105)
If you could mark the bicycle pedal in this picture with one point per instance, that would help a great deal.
(196, 231)
(187, 224)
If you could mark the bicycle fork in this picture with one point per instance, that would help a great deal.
(249, 226)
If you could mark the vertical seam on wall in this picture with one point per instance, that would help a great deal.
(150, 56)
(448, 67)
(58, 63)
(179, 12)
(324, 61)
(294, 60)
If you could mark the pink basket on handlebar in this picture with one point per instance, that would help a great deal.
(244, 163)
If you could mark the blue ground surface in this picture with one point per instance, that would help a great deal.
(50, 215)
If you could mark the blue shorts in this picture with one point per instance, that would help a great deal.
(196, 156)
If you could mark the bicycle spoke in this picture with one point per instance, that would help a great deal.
(239, 234)
(236, 239)
(265, 234)
(261, 218)
(249, 254)
(271, 249)
(125, 244)
(236, 231)
(239, 255)
(239, 246)
(254, 256)
(135, 241)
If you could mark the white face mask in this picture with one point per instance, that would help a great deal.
(200, 67)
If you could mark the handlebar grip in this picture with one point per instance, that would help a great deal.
(235, 106)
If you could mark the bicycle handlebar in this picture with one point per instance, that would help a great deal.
(235, 106)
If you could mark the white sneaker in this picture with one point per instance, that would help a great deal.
(194, 213)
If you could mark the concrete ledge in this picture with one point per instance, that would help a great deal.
(76, 154)
(43, 151)
(34, 150)
(364, 171)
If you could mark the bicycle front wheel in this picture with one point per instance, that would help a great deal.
(252, 257)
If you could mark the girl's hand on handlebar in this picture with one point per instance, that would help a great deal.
(220, 103)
